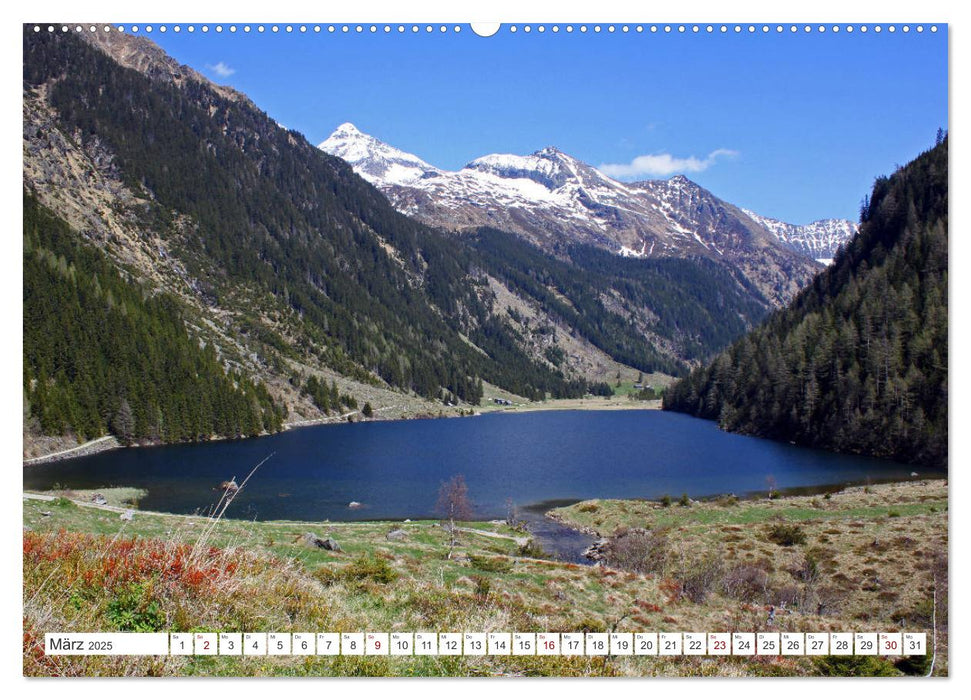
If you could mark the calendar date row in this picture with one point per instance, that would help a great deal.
(489, 643)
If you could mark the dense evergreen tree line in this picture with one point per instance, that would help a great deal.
(858, 361)
(274, 212)
(102, 354)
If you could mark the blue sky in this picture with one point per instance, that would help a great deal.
(793, 126)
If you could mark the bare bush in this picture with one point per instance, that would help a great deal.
(453, 500)
(643, 551)
(701, 578)
(787, 596)
(747, 583)
(807, 570)
(454, 504)
(828, 600)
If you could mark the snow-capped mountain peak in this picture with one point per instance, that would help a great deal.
(347, 129)
(374, 160)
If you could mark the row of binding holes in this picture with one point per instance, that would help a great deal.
(246, 29)
(724, 28)
(442, 29)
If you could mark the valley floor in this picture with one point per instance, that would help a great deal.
(861, 559)
(590, 403)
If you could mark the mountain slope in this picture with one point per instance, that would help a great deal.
(858, 362)
(299, 274)
(101, 353)
(643, 313)
(555, 201)
(299, 262)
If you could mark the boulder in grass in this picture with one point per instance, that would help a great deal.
(329, 543)
(397, 534)
(99, 500)
(311, 540)
(598, 550)
(127, 516)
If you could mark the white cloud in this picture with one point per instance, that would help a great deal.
(221, 69)
(664, 164)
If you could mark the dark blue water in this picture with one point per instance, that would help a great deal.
(395, 468)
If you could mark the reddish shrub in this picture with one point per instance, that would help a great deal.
(112, 564)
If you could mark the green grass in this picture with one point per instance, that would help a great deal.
(606, 516)
(280, 584)
(119, 497)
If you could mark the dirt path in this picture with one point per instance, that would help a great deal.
(318, 421)
(98, 506)
(38, 496)
(64, 454)
(520, 541)
(332, 419)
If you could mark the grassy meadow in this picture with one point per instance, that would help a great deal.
(863, 559)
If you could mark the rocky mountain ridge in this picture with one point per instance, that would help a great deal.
(554, 200)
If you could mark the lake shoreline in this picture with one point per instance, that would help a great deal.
(110, 442)
(555, 529)
(549, 509)
(394, 468)
(783, 496)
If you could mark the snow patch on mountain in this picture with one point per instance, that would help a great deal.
(626, 252)
(819, 240)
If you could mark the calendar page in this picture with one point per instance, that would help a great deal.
(438, 349)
